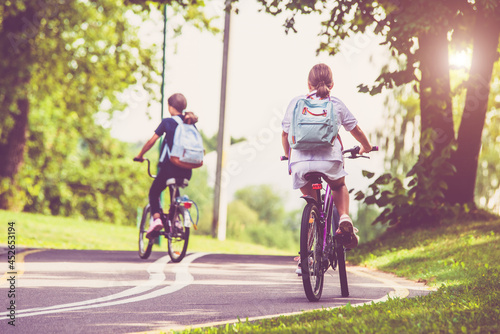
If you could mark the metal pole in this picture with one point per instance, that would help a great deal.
(163, 71)
(164, 61)
(219, 217)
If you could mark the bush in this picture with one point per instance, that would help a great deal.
(243, 224)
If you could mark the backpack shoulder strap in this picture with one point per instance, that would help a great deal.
(310, 96)
(178, 119)
(166, 149)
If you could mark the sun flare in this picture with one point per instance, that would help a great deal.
(460, 59)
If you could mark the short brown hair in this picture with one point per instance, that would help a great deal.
(178, 101)
(321, 78)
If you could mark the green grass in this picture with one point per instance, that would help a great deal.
(460, 258)
(451, 254)
(39, 231)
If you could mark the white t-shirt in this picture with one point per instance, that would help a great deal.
(344, 118)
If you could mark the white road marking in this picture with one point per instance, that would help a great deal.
(182, 279)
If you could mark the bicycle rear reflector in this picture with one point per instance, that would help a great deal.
(187, 205)
(317, 186)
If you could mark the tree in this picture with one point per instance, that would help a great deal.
(401, 111)
(420, 32)
(73, 57)
(70, 56)
(486, 33)
(263, 200)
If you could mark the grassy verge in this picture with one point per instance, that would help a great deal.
(461, 258)
(39, 231)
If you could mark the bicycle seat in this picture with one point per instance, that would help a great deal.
(312, 176)
(180, 182)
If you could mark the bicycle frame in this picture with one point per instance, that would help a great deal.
(326, 206)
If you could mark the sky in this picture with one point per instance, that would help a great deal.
(267, 68)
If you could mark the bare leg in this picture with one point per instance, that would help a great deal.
(341, 200)
(340, 195)
(308, 190)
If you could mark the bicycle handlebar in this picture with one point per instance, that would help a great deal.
(149, 166)
(354, 153)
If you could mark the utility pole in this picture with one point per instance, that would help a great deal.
(220, 200)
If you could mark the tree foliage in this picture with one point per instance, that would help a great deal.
(257, 215)
(64, 64)
(74, 57)
(264, 200)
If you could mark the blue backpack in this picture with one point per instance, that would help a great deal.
(187, 149)
(314, 124)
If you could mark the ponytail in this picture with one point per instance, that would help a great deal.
(320, 78)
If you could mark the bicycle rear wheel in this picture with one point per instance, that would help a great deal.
(145, 244)
(311, 252)
(344, 288)
(179, 237)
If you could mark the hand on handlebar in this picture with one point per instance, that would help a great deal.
(138, 159)
(363, 149)
(357, 152)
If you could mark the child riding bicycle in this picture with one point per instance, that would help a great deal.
(327, 160)
(176, 105)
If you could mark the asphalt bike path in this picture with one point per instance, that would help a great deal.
(76, 291)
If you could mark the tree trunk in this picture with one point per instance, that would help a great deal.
(13, 150)
(17, 35)
(465, 159)
(435, 94)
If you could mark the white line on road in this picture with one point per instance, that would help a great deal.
(182, 279)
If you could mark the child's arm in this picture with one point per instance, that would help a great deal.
(360, 136)
(286, 144)
(147, 146)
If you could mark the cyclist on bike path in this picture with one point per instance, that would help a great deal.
(328, 161)
(177, 103)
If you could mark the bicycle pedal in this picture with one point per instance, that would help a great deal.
(154, 234)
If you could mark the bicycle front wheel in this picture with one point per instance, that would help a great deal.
(311, 252)
(179, 237)
(145, 244)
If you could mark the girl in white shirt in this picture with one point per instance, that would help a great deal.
(329, 160)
